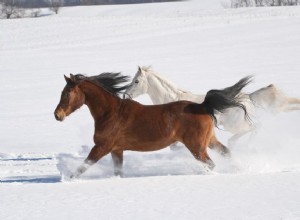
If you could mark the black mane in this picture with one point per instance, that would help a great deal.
(109, 81)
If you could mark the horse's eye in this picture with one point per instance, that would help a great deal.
(136, 81)
(65, 95)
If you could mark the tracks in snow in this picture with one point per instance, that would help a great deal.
(47, 168)
(28, 168)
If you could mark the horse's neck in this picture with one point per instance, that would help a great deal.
(99, 101)
(161, 91)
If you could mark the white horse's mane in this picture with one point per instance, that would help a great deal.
(163, 80)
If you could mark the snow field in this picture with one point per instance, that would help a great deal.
(196, 44)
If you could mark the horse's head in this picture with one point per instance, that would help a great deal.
(71, 98)
(139, 84)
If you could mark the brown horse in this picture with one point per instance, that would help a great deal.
(123, 124)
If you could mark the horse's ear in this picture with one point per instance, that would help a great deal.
(140, 69)
(68, 80)
(72, 77)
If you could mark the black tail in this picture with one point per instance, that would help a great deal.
(220, 100)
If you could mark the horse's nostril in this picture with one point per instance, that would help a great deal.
(55, 115)
(58, 115)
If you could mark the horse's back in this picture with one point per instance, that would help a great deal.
(268, 98)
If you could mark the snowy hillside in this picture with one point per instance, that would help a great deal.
(198, 45)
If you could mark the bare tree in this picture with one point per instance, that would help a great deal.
(250, 3)
(10, 8)
(35, 12)
(260, 3)
(55, 5)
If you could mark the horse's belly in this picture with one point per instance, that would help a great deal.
(148, 146)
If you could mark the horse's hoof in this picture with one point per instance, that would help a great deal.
(118, 174)
(73, 176)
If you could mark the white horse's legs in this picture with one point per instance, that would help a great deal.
(233, 140)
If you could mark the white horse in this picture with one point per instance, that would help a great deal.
(160, 90)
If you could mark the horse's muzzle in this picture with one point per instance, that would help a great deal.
(59, 114)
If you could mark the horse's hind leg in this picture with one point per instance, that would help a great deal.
(95, 154)
(117, 157)
(215, 144)
(203, 156)
(200, 153)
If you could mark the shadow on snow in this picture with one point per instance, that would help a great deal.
(26, 159)
(35, 179)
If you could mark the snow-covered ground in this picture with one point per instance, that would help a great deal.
(196, 44)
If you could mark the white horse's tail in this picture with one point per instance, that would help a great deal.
(294, 105)
(294, 101)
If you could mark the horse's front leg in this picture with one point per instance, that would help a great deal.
(95, 154)
(117, 157)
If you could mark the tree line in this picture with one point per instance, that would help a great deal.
(45, 3)
(17, 8)
(262, 3)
